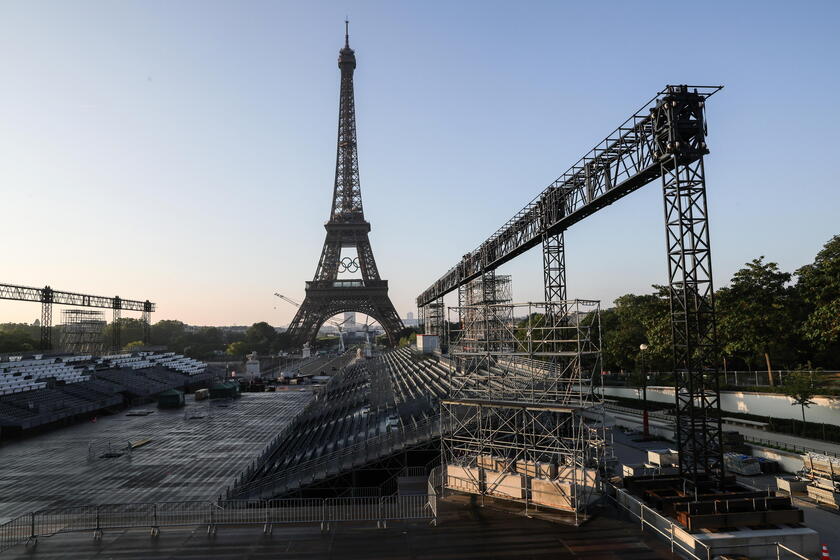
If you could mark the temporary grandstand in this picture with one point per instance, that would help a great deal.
(319, 365)
(521, 422)
(40, 390)
(374, 419)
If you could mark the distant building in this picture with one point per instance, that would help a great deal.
(410, 321)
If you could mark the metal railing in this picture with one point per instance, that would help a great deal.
(638, 411)
(434, 484)
(681, 540)
(154, 516)
(338, 461)
(785, 446)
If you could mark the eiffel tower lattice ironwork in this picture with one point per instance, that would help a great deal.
(328, 294)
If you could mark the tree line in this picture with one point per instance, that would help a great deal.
(764, 316)
(201, 343)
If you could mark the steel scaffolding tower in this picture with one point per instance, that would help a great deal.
(434, 318)
(82, 331)
(521, 421)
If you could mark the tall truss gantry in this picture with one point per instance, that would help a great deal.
(47, 297)
(666, 140)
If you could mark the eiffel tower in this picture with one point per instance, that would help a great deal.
(327, 294)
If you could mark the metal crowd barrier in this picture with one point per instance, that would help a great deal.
(154, 516)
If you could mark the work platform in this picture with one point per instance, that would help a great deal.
(193, 453)
(710, 520)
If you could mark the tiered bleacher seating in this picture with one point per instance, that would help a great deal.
(143, 360)
(18, 376)
(368, 400)
(43, 389)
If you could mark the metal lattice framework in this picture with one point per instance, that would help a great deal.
(636, 153)
(328, 294)
(434, 318)
(82, 331)
(665, 139)
(521, 421)
(693, 322)
(47, 297)
(554, 267)
(481, 317)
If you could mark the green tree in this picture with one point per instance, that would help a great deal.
(818, 284)
(168, 333)
(801, 386)
(261, 337)
(757, 315)
(133, 346)
(636, 320)
(204, 343)
(283, 343)
(19, 337)
(130, 329)
(238, 349)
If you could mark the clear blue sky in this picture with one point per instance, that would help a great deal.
(184, 151)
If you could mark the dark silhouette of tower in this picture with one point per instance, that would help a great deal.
(327, 294)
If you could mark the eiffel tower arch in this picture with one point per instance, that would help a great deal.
(347, 278)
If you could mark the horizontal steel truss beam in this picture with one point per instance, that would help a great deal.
(635, 154)
(48, 295)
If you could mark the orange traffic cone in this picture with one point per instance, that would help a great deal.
(825, 555)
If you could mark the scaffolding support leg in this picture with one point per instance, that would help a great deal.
(554, 267)
(147, 322)
(46, 325)
(692, 318)
(116, 339)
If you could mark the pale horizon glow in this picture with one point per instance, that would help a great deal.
(185, 152)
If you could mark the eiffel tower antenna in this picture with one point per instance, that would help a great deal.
(359, 288)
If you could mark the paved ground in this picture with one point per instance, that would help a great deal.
(188, 458)
(464, 532)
